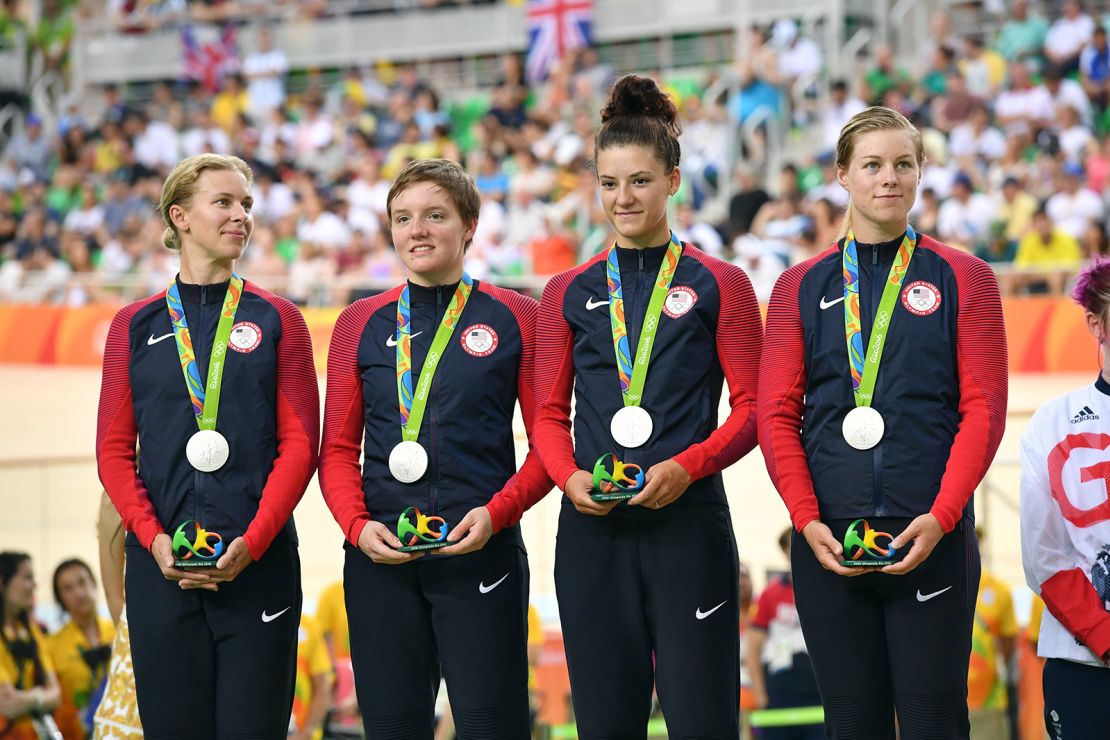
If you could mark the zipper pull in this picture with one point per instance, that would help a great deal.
(875, 255)
(204, 295)
(640, 256)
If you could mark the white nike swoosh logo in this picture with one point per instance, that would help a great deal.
(156, 340)
(591, 304)
(271, 617)
(392, 341)
(925, 597)
(702, 615)
(829, 304)
(484, 589)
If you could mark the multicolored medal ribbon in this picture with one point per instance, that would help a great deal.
(408, 461)
(207, 450)
(863, 426)
(632, 425)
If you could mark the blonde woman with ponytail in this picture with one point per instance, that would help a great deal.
(882, 401)
(207, 436)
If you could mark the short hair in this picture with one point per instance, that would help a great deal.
(449, 176)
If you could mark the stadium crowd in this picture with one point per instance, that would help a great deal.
(1016, 128)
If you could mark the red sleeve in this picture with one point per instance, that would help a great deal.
(344, 420)
(116, 432)
(1072, 599)
(298, 427)
(739, 340)
(531, 482)
(981, 358)
(768, 605)
(555, 382)
(782, 384)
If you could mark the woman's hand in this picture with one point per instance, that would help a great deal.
(232, 562)
(664, 483)
(578, 489)
(925, 531)
(470, 534)
(827, 549)
(380, 545)
(162, 550)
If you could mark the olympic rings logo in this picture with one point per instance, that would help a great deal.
(612, 475)
(857, 545)
(413, 527)
(191, 540)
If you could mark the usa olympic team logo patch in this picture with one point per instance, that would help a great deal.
(479, 340)
(921, 298)
(680, 299)
(245, 337)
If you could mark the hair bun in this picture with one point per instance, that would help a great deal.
(636, 95)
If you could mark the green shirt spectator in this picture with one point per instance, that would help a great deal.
(1023, 35)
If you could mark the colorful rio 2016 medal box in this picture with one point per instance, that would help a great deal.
(196, 547)
(615, 480)
(862, 548)
(420, 532)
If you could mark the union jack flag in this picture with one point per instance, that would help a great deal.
(554, 27)
(209, 62)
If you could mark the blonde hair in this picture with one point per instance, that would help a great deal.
(875, 118)
(181, 185)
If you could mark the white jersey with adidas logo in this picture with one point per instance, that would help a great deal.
(1065, 507)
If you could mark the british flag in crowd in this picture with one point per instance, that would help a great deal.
(208, 62)
(554, 27)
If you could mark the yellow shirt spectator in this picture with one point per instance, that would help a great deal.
(993, 634)
(312, 661)
(331, 614)
(1033, 631)
(226, 107)
(1060, 250)
(535, 644)
(23, 675)
(66, 647)
(1017, 216)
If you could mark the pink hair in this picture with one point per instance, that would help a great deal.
(1092, 288)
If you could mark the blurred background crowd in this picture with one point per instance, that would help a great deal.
(1014, 109)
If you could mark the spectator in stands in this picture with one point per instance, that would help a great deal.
(955, 106)
(777, 660)
(993, 644)
(964, 218)
(1094, 242)
(312, 696)
(1022, 103)
(265, 69)
(81, 647)
(230, 102)
(885, 76)
(53, 35)
(1013, 215)
(1074, 204)
(976, 138)
(1075, 140)
(1045, 247)
(29, 689)
(984, 69)
(1065, 91)
(1068, 35)
(698, 232)
(31, 148)
(1094, 69)
(1023, 34)
(841, 106)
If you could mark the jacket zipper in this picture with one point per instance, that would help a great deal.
(433, 467)
(877, 498)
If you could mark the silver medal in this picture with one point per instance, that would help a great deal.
(631, 426)
(408, 461)
(207, 450)
(863, 427)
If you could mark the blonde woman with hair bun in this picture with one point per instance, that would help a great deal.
(207, 436)
(882, 401)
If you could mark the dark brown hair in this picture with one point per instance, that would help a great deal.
(639, 113)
